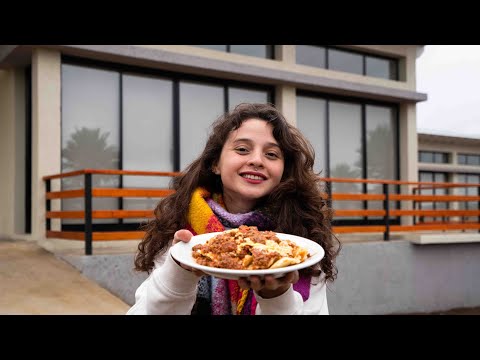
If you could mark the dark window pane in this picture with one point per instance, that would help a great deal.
(381, 142)
(310, 55)
(90, 131)
(440, 158)
(345, 149)
(311, 120)
(345, 61)
(426, 156)
(382, 68)
(252, 50)
(462, 159)
(147, 136)
(473, 160)
(200, 105)
(214, 47)
(240, 95)
(381, 149)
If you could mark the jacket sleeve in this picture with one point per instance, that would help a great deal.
(291, 302)
(169, 290)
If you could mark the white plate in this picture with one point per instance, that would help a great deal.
(182, 252)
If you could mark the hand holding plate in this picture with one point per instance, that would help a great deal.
(185, 236)
(269, 287)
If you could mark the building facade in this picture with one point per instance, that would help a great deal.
(450, 159)
(149, 107)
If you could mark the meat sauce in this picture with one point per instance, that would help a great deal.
(230, 250)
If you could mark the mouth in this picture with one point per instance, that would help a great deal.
(250, 175)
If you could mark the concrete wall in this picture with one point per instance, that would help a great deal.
(7, 147)
(395, 277)
(46, 131)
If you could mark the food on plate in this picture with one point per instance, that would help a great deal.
(247, 248)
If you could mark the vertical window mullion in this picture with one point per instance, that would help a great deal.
(364, 155)
(176, 124)
(327, 65)
(28, 150)
(226, 101)
(397, 157)
(327, 138)
(120, 142)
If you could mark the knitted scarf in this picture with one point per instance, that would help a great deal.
(207, 214)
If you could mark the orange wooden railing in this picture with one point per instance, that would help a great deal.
(452, 219)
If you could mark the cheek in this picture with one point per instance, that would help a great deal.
(279, 173)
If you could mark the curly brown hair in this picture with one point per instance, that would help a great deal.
(296, 205)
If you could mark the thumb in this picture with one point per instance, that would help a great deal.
(182, 235)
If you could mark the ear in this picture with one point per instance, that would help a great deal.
(215, 170)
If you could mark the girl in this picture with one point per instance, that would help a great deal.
(256, 169)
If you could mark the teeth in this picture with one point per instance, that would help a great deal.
(253, 177)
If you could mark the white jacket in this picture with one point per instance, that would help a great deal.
(172, 290)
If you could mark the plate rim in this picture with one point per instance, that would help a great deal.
(177, 249)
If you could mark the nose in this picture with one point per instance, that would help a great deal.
(256, 159)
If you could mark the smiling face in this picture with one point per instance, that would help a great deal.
(251, 165)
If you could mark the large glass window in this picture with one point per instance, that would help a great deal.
(471, 191)
(381, 143)
(116, 119)
(381, 68)
(200, 104)
(329, 57)
(345, 61)
(346, 155)
(433, 157)
(237, 95)
(311, 120)
(311, 56)
(468, 159)
(427, 176)
(361, 143)
(90, 131)
(147, 135)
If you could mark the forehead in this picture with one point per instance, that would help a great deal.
(253, 129)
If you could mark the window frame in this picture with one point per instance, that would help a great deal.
(393, 77)
(176, 78)
(363, 103)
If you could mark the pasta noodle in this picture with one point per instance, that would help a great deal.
(247, 248)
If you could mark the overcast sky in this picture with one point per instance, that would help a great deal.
(450, 76)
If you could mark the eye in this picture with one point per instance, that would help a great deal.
(241, 150)
(272, 155)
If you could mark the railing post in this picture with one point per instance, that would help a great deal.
(386, 207)
(47, 203)
(88, 214)
(414, 191)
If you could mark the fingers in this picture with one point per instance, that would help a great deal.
(198, 272)
(182, 235)
(292, 277)
(244, 283)
(268, 282)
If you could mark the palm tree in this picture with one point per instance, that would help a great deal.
(89, 148)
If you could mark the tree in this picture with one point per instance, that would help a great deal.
(89, 148)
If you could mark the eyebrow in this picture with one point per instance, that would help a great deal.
(249, 141)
